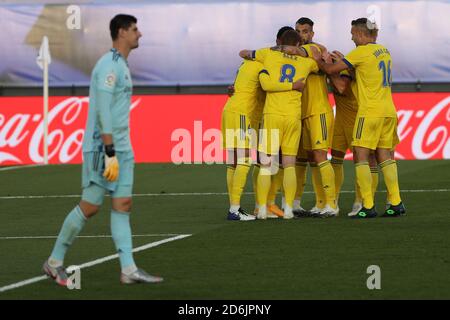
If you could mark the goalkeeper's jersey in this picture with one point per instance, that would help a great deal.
(109, 103)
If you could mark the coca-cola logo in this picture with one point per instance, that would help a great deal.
(423, 126)
(66, 125)
(428, 132)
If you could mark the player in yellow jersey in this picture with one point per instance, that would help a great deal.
(376, 120)
(317, 128)
(282, 118)
(240, 120)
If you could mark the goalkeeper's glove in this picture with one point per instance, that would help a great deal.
(111, 164)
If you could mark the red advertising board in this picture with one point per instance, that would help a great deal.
(185, 128)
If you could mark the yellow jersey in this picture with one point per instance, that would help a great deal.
(248, 98)
(315, 95)
(346, 103)
(373, 65)
(284, 68)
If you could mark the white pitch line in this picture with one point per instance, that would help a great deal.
(21, 167)
(88, 237)
(193, 194)
(94, 262)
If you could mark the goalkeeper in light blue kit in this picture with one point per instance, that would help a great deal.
(108, 157)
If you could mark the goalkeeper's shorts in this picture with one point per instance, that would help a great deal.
(93, 183)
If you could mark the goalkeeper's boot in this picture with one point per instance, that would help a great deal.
(139, 276)
(58, 274)
(240, 215)
(365, 213)
(275, 210)
(355, 209)
(395, 211)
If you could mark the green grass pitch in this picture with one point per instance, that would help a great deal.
(297, 259)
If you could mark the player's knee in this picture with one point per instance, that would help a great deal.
(288, 161)
(123, 205)
(89, 210)
(319, 156)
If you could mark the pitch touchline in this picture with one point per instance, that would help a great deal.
(93, 236)
(193, 194)
(94, 262)
(21, 167)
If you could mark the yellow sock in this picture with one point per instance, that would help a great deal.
(230, 175)
(263, 185)
(338, 168)
(300, 172)
(277, 181)
(364, 178)
(317, 186)
(255, 179)
(358, 197)
(239, 180)
(328, 182)
(289, 185)
(389, 168)
(374, 173)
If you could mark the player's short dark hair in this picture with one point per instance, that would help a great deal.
(290, 38)
(304, 20)
(369, 27)
(283, 30)
(120, 21)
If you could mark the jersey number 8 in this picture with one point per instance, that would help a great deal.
(287, 72)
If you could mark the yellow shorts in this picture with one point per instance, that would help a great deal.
(277, 132)
(373, 133)
(238, 131)
(342, 136)
(317, 131)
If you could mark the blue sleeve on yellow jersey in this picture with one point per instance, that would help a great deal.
(355, 57)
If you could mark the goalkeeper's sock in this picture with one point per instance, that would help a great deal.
(71, 227)
(121, 234)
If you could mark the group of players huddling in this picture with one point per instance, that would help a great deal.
(279, 103)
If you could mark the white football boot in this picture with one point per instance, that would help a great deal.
(355, 209)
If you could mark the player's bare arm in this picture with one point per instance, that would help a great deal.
(328, 68)
(340, 82)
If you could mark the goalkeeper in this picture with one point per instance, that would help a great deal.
(108, 157)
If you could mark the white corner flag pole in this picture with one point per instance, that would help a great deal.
(43, 60)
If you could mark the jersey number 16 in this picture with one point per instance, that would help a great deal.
(387, 77)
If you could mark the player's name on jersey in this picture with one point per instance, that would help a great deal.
(379, 52)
